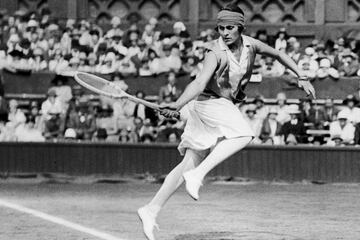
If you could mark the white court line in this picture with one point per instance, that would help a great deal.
(58, 220)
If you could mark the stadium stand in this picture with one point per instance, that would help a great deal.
(39, 98)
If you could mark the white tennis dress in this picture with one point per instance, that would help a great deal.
(211, 120)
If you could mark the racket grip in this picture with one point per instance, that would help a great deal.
(177, 115)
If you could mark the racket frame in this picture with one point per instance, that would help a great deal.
(121, 94)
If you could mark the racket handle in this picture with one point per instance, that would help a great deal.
(174, 114)
(177, 115)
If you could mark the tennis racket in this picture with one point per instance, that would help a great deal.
(104, 87)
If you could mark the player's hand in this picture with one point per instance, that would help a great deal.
(305, 84)
(169, 110)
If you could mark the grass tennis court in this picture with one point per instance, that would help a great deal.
(251, 211)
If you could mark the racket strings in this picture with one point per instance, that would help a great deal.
(99, 84)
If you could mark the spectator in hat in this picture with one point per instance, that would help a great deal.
(91, 63)
(37, 62)
(109, 64)
(320, 51)
(85, 37)
(191, 67)
(305, 68)
(281, 40)
(65, 40)
(254, 122)
(293, 49)
(349, 64)
(74, 64)
(262, 110)
(123, 109)
(263, 36)
(95, 38)
(70, 135)
(150, 36)
(24, 47)
(27, 132)
(141, 56)
(171, 60)
(17, 63)
(117, 43)
(270, 132)
(270, 67)
(57, 62)
(179, 29)
(34, 113)
(115, 27)
(125, 65)
(83, 62)
(52, 105)
(281, 108)
(154, 63)
(343, 128)
(340, 48)
(307, 64)
(16, 116)
(295, 127)
(133, 45)
(325, 70)
(124, 136)
(63, 90)
(170, 89)
(330, 112)
(13, 42)
(350, 109)
(34, 40)
(83, 122)
(53, 116)
(42, 41)
(335, 141)
(312, 117)
(32, 27)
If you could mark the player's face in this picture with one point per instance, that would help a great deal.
(229, 33)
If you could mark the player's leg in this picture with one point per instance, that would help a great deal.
(221, 152)
(172, 182)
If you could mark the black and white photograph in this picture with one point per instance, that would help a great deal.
(179, 119)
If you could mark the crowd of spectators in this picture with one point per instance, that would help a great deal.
(37, 42)
(31, 42)
(304, 123)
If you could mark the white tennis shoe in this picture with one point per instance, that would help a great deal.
(148, 221)
(192, 184)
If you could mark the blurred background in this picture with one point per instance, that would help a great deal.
(152, 49)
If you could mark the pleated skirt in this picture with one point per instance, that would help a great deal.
(210, 121)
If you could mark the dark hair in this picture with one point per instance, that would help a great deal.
(233, 7)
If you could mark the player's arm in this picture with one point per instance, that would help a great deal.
(198, 85)
(285, 60)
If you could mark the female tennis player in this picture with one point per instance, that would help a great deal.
(215, 128)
